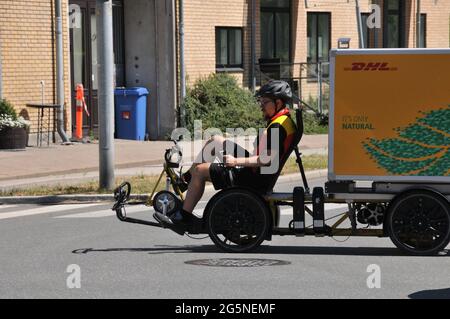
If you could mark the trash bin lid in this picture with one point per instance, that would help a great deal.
(139, 91)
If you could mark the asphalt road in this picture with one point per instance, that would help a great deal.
(49, 251)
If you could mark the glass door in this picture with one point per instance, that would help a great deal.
(84, 58)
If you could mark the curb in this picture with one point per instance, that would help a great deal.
(67, 199)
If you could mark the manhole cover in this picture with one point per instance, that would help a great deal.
(237, 262)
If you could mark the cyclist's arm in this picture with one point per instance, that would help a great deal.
(268, 154)
(254, 161)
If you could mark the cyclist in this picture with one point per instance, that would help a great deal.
(257, 171)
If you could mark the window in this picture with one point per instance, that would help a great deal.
(393, 36)
(228, 47)
(319, 41)
(368, 33)
(275, 29)
(423, 31)
(119, 48)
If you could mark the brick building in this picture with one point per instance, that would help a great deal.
(28, 56)
(296, 34)
(290, 38)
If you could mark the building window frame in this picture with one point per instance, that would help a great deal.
(312, 71)
(423, 31)
(400, 13)
(368, 32)
(274, 10)
(229, 65)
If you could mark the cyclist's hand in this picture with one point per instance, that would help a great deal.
(229, 161)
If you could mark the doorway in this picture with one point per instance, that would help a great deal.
(83, 59)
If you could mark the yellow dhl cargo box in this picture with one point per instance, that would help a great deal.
(390, 115)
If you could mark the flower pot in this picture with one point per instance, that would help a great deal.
(13, 138)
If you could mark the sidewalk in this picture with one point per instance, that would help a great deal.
(61, 164)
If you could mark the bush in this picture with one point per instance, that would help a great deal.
(311, 121)
(220, 103)
(8, 117)
(7, 109)
(311, 124)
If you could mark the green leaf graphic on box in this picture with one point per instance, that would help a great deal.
(422, 148)
(394, 165)
(403, 149)
(424, 135)
(438, 119)
(440, 168)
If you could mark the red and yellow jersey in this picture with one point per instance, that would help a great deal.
(283, 126)
(282, 122)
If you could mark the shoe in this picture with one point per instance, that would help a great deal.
(175, 223)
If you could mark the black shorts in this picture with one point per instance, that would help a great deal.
(223, 177)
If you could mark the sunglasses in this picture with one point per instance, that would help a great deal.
(264, 103)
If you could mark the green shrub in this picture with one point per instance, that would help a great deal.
(311, 121)
(6, 108)
(219, 102)
(311, 124)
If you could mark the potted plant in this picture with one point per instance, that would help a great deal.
(13, 129)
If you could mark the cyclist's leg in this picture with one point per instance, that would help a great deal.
(200, 175)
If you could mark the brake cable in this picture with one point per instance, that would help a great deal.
(196, 238)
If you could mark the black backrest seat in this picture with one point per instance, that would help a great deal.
(292, 147)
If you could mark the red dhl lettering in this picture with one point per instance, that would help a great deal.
(371, 66)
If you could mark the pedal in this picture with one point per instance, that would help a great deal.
(299, 212)
(318, 199)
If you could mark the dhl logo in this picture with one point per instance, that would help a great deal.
(371, 66)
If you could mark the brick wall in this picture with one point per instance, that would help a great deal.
(437, 29)
(201, 17)
(28, 54)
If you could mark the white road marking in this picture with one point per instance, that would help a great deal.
(44, 210)
(109, 212)
(91, 212)
(5, 207)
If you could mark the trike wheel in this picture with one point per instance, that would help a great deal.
(237, 220)
(166, 203)
(418, 222)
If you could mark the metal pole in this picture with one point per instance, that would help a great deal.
(60, 73)
(418, 26)
(1, 86)
(105, 93)
(360, 26)
(320, 89)
(253, 47)
(182, 67)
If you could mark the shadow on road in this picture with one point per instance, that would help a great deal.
(431, 294)
(266, 250)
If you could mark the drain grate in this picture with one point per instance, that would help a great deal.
(237, 262)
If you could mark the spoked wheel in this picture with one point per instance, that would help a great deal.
(418, 222)
(238, 220)
(166, 203)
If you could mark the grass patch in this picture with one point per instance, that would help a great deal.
(310, 163)
(141, 184)
(144, 184)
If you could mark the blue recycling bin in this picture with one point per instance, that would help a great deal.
(131, 113)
